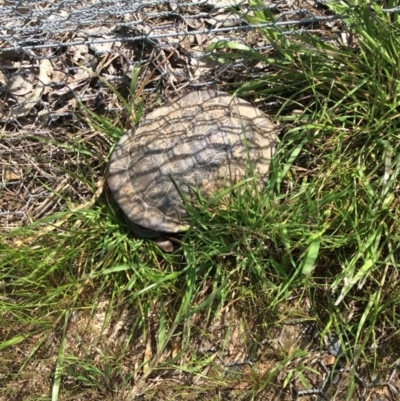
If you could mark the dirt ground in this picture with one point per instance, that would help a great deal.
(51, 159)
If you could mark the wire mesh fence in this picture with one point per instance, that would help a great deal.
(43, 25)
(51, 51)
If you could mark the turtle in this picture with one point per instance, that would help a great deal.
(204, 140)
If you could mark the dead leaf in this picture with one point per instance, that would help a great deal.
(23, 85)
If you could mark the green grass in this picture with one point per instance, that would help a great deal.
(320, 244)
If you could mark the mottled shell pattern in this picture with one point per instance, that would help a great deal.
(205, 140)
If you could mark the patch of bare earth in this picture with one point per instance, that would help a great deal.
(234, 357)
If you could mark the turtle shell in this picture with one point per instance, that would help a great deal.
(204, 140)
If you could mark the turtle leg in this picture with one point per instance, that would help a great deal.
(152, 218)
(164, 244)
